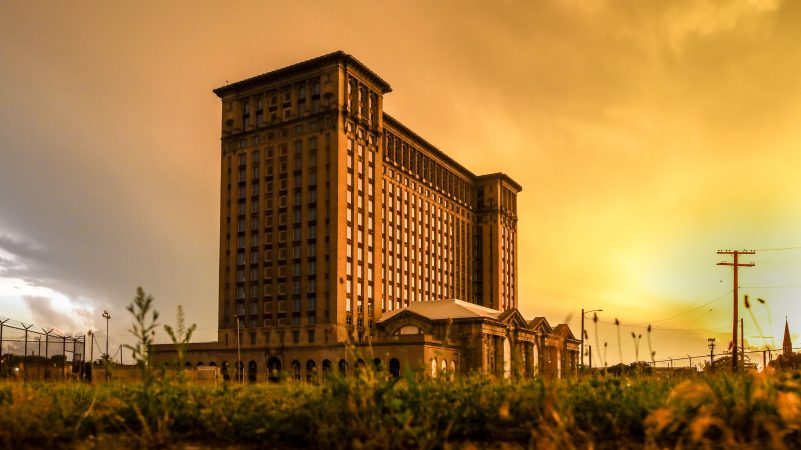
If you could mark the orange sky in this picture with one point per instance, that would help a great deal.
(646, 135)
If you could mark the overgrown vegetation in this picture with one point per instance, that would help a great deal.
(625, 407)
(375, 410)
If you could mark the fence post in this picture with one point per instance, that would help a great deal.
(47, 352)
(63, 357)
(2, 322)
(25, 354)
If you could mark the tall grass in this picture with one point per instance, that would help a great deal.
(377, 411)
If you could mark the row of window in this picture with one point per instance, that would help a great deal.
(284, 103)
(407, 157)
(358, 158)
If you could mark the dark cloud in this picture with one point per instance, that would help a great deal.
(622, 120)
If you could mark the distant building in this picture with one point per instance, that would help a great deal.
(787, 342)
(338, 225)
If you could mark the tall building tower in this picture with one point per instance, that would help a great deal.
(333, 212)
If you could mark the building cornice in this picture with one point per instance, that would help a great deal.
(411, 135)
(419, 140)
(320, 62)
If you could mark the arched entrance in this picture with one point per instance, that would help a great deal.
(343, 368)
(252, 370)
(296, 370)
(326, 368)
(311, 371)
(394, 367)
(274, 369)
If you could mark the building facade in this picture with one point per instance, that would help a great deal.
(335, 216)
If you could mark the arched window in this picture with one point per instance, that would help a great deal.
(433, 367)
(343, 367)
(444, 365)
(225, 374)
(394, 367)
(296, 370)
(200, 363)
(274, 369)
(377, 364)
(453, 366)
(252, 370)
(311, 371)
(409, 329)
(188, 364)
(213, 364)
(326, 368)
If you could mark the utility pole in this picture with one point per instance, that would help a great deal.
(711, 353)
(736, 314)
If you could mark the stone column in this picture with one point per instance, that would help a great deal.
(499, 356)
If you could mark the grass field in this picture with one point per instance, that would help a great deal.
(373, 411)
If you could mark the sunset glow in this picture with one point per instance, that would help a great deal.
(646, 136)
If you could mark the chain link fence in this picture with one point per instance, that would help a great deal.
(30, 352)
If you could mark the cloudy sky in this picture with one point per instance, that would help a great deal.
(646, 135)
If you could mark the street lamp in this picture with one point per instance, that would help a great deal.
(583, 313)
(107, 316)
(238, 352)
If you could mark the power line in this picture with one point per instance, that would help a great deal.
(777, 249)
(651, 324)
(778, 286)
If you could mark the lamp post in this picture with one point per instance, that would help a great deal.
(238, 352)
(107, 316)
(583, 313)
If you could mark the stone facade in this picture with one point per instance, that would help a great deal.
(335, 217)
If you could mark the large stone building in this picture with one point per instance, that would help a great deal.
(340, 225)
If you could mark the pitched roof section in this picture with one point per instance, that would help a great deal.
(540, 322)
(445, 309)
(563, 330)
(305, 66)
